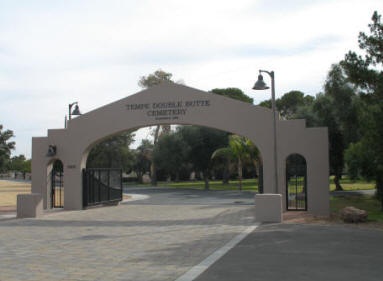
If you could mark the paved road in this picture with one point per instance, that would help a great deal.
(293, 252)
(170, 196)
(171, 235)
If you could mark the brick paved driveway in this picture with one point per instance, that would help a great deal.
(126, 242)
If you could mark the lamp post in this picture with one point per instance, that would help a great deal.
(75, 111)
(261, 85)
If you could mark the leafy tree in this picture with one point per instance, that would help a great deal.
(335, 109)
(20, 164)
(345, 102)
(146, 82)
(233, 93)
(142, 159)
(154, 79)
(170, 154)
(366, 72)
(224, 157)
(6, 146)
(203, 142)
(265, 103)
(112, 153)
(358, 157)
(323, 107)
(290, 103)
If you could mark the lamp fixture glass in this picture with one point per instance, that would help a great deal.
(76, 110)
(260, 84)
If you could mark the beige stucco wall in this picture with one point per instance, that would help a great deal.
(194, 107)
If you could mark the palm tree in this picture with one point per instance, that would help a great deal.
(241, 149)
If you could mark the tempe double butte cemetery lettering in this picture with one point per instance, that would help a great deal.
(167, 110)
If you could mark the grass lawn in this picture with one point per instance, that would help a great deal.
(364, 202)
(348, 184)
(252, 184)
(247, 184)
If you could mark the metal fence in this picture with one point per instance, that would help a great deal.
(57, 189)
(101, 186)
(296, 183)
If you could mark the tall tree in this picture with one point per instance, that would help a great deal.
(142, 159)
(241, 149)
(233, 93)
(170, 154)
(324, 109)
(20, 163)
(112, 153)
(203, 142)
(146, 82)
(289, 104)
(155, 79)
(366, 72)
(335, 109)
(6, 146)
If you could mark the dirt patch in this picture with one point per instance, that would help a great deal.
(8, 194)
(126, 197)
(334, 219)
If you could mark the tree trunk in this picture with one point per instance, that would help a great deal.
(153, 174)
(153, 168)
(240, 173)
(379, 185)
(338, 187)
(226, 173)
(206, 179)
(139, 177)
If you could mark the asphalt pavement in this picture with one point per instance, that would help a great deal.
(301, 252)
(172, 196)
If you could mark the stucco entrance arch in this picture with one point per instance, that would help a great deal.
(171, 103)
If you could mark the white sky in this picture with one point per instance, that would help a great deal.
(56, 52)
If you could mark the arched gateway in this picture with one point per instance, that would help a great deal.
(171, 103)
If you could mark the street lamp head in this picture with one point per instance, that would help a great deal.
(76, 110)
(260, 84)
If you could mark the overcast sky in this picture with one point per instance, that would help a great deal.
(56, 52)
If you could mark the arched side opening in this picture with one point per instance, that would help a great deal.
(296, 183)
(56, 177)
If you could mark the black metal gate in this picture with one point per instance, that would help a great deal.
(57, 185)
(260, 178)
(296, 183)
(101, 186)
